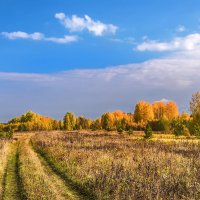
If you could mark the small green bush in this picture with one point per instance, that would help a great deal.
(6, 135)
(130, 131)
(148, 132)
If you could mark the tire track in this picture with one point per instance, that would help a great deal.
(72, 186)
(40, 181)
(12, 189)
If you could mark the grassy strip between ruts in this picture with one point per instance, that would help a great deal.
(13, 188)
(61, 172)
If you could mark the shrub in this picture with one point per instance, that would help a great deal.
(179, 127)
(148, 132)
(6, 135)
(195, 129)
(130, 131)
(119, 130)
(160, 125)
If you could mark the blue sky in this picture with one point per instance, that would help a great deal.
(135, 19)
(92, 45)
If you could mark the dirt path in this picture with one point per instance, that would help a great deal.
(28, 176)
(56, 185)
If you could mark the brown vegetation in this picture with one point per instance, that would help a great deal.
(113, 166)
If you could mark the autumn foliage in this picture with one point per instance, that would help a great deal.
(159, 116)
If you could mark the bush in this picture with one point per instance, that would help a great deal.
(23, 127)
(6, 135)
(130, 131)
(148, 132)
(160, 125)
(180, 127)
(195, 129)
(120, 130)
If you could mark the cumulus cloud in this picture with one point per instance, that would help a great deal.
(39, 37)
(91, 92)
(187, 43)
(78, 24)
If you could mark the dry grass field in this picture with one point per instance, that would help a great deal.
(112, 166)
(99, 165)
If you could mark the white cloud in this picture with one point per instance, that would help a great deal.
(64, 40)
(181, 69)
(128, 40)
(187, 43)
(174, 77)
(180, 28)
(78, 24)
(39, 37)
(23, 35)
(164, 100)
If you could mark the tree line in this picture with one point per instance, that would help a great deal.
(157, 116)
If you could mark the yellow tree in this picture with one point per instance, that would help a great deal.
(159, 109)
(185, 116)
(143, 112)
(119, 114)
(171, 110)
(108, 121)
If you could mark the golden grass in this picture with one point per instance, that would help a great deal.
(126, 167)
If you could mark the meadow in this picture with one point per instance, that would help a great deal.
(99, 165)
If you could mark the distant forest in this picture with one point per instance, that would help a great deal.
(158, 116)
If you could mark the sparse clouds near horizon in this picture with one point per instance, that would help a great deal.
(187, 43)
(90, 92)
(78, 24)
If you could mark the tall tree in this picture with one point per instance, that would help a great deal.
(195, 107)
(143, 112)
(171, 110)
(159, 109)
(96, 124)
(108, 121)
(83, 123)
(69, 121)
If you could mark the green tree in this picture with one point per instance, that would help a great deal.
(96, 125)
(148, 132)
(28, 117)
(120, 128)
(179, 127)
(69, 121)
